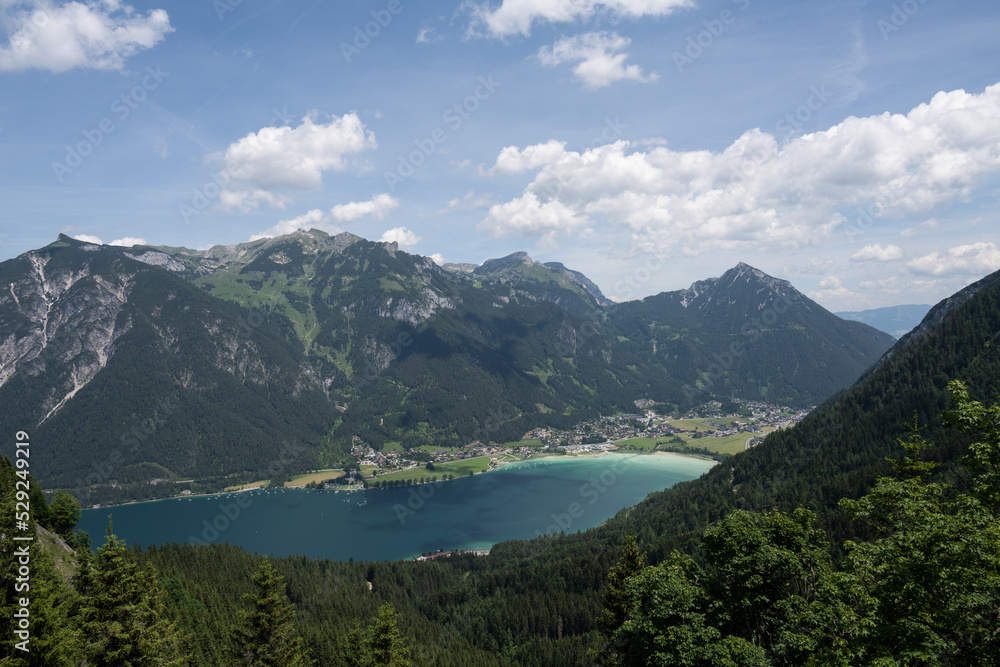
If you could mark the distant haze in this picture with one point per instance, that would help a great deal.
(894, 320)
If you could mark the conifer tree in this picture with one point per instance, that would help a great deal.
(617, 603)
(264, 635)
(47, 639)
(384, 640)
(378, 645)
(122, 616)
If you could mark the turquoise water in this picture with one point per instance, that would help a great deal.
(520, 500)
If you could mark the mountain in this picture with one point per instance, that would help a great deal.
(552, 281)
(146, 366)
(893, 320)
(537, 602)
(749, 335)
(129, 373)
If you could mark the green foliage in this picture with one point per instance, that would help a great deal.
(51, 639)
(64, 512)
(925, 591)
(264, 635)
(378, 645)
(122, 616)
(617, 602)
(934, 576)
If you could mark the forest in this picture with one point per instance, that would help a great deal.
(826, 543)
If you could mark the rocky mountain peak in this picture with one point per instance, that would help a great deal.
(742, 273)
(492, 266)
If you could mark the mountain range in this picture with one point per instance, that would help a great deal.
(539, 602)
(896, 321)
(147, 366)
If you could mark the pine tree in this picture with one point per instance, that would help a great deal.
(122, 617)
(48, 639)
(264, 635)
(384, 641)
(378, 645)
(617, 604)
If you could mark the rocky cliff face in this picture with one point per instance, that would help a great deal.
(92, 340)
(62, 322)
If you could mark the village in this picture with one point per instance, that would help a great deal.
(710, 430)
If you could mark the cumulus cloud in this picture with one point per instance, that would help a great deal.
(518, 16)
(62, 36)
(601, 63)
(973, 259)
(437, 258)
(758, 192)
(400, 235)
(377, 208)
(264, 165)
(875, 252)
(88, 238)
(528, 215)
(128, 241)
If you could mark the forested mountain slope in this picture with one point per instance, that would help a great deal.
(146, 367)
(749, 335)
(537, 602)
(129, 373)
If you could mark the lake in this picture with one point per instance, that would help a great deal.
(516, 501)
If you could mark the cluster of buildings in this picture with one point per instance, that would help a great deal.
(589, 435)
(599, 434)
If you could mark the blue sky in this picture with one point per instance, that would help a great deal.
(852, 148)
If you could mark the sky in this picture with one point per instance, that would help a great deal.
(850, 147)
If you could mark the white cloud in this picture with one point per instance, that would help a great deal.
(835, 293)
(973, 259)
(518, 16)
(469, 201)
(925, 226)
(87, 238)
(890, 284)
(601, 63)
(377, 208)
(513, 160)
(427, 36)
(401, 235)
(875, 252)
(91, 34)
(527, 215)
(265, 163)
(128, 241)
(437, 258)
(757, 192)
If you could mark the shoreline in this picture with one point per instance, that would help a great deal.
(492, 468)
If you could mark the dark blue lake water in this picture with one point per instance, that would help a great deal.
(520, 500)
